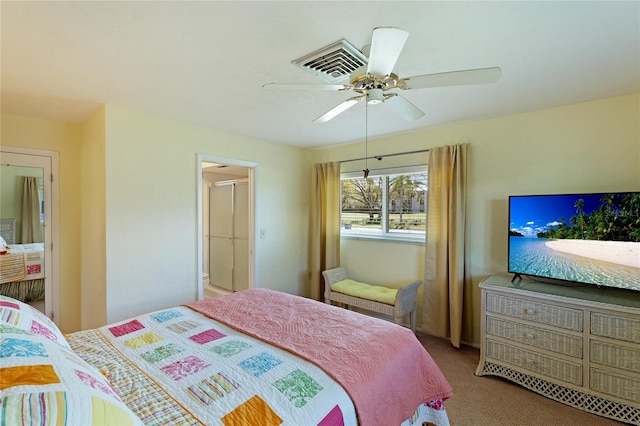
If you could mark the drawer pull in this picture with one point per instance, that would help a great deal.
(530, 336)
(529, 311)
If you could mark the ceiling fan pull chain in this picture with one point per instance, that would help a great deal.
(366, 137)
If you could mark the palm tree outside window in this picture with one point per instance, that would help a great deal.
(388, 204)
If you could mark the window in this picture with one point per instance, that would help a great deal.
(389, 204)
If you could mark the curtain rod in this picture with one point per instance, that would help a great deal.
(380, 157)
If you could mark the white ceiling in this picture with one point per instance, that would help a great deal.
(205, 62)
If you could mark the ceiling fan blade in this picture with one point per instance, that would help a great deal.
(330, 87)
(454, 78)
(386, 45)
(403, 107)
(339, 109)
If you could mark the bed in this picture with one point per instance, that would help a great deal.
(22, 271)
(252, 357)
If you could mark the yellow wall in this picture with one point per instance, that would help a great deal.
(25, 132)
(148, 187)
(128, 191)
(151, 210)
(92, 222)
(586, 147)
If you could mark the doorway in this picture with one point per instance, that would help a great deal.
(226, 225)
(29, 224)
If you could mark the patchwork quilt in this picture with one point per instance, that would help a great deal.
(43, 382)
(383, 367)
(177, 367)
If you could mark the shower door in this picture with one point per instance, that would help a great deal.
(228, 236)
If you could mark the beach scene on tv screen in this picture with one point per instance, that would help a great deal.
(592, 238)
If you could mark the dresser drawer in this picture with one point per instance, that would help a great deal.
(534, 362)
(542, 313)
(621, 357)
(616, 385)
(615, 327)
(535, 337)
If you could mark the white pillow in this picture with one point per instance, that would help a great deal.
(54, 384)
(23, 316)
(3, 244)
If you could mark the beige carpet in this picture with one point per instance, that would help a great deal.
(489, 400)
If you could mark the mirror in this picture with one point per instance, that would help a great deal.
(22, 226)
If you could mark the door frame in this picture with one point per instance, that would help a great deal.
(51, 229)
(253, 180)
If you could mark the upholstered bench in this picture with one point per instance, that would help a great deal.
(396, 303)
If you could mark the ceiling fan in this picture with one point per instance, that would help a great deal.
(376, 80)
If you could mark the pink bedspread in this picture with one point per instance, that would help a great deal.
(382, 366)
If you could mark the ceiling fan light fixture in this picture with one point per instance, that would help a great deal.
(371, 75)
(375, 96)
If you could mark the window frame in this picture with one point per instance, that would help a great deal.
(384, 234)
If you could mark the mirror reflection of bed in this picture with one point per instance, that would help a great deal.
(22, 266)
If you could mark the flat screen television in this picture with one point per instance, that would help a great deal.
(590, 239)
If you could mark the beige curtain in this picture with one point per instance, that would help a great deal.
(445, 271)
(30, 227)
(324, 224)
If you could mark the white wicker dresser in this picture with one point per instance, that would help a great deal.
(576, 345)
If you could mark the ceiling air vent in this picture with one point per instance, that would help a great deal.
(334, 63)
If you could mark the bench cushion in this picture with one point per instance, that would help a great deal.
(366, 291)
